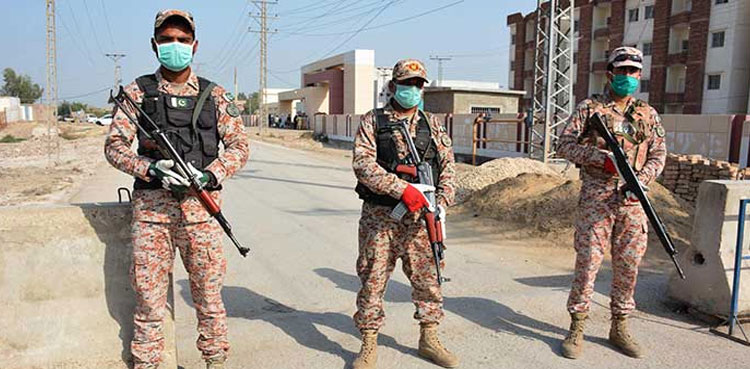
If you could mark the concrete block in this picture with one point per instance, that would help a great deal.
(721, 123)
(709, 262)
(67, 300)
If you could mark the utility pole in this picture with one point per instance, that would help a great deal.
(440, 60)
(262, 5)
(51, 84)
(116, 58)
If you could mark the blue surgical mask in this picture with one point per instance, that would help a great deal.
(175, 56)
(623, 85)
(408, 96)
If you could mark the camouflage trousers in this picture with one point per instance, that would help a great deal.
(153, 256)
(382, 241)
(605, 221)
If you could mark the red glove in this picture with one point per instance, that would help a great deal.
(414, 199)
(609, 165)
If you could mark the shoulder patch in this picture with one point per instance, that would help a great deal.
(660, 131)
(446, 141)
(233, 110)
(228, 96)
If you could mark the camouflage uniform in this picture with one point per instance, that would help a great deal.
(605, 217)
(163, 222)
(383, 240)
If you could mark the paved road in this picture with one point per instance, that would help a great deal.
(290, 302)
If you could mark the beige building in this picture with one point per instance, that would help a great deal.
(470, 100)
(341, 84)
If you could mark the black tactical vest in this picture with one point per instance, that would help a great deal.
(190, 123)
(387, 156)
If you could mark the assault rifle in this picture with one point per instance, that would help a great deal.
(633, 185)
(422, 171)
(166, 148)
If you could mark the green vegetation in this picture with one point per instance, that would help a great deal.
(20, 86)
(11, 139)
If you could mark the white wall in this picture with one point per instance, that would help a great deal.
(731, 61)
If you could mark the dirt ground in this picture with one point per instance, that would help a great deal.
(38, 169)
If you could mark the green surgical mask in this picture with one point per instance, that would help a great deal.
(175, 56)
(623, 85)
(408, 96)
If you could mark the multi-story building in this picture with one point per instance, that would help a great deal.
(696, 52)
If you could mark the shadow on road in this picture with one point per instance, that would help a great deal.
(484, 312)
(300, 325)
(311, 166)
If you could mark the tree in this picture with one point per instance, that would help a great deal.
(20, 86)
(251, 104)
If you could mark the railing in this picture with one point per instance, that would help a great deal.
(480, 124)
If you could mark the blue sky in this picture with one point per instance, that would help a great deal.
(474, 30)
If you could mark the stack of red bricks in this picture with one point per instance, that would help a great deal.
(683, 174)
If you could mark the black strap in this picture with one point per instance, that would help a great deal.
(205, 87)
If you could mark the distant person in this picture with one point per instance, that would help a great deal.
(610, 216)
(165, 216)
(378, 149)
(288, 121)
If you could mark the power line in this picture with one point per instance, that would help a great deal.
(116, 58)
(440, 60)
(86, 94)
(72, 36)
(93, 29)
(75, 42)
(401, 20)
(106, 21)
(360, 29)
(238, 28)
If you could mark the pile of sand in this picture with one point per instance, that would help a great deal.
(546, 206)
(470, 179)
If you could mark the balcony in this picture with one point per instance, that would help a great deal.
(601, 33)
(674, 98)
(682, 17)
(599, 66)
(677, 58)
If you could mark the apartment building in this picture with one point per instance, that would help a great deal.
(696, 52)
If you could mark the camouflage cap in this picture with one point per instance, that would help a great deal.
(625, 56)
(409, 68)
(164, 14)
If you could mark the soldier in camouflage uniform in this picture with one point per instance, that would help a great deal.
(609, 215)
(198, 115)
(383, 240)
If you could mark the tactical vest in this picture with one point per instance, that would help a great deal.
(189, 121)
(632, 133)
(388, 158)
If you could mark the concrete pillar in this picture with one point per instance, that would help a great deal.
(709, 262)
(65, 287)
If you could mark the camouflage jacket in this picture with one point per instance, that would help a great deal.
(375, 177)
(638, 128)
(159, 205)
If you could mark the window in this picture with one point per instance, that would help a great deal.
(576, 25)
(644, 85)
(649, 13)
(575, 57)
(647, 48)
(714, 81)
(482, 109)
(633, 15)
(721, 2)
(685, 45)
(717, 39)
(513, 39)
(512, 65)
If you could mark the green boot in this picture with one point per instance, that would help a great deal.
(572, 346)
(430, 347)
(216, 362)
(619, 335)
(368, 354)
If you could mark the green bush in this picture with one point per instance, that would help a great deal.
(11, 139)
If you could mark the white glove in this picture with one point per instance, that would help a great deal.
(441, 215)
(425, 189)
(162, 170)
(631, 197)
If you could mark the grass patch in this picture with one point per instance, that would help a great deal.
(11, 139)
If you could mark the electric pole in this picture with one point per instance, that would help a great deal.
(440, 60)
(116, 58)
(51, 83)
(262, 5)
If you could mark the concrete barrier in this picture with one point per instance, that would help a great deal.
(66, 295)
(709, 262)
